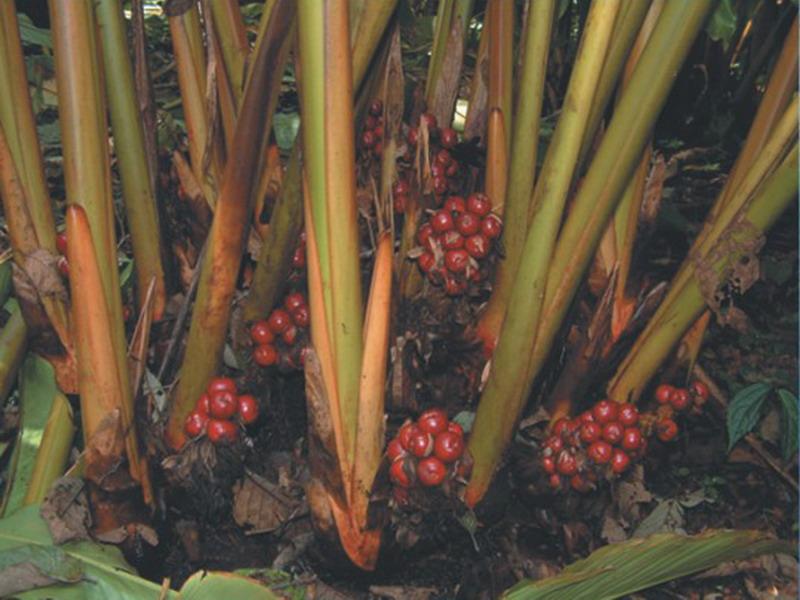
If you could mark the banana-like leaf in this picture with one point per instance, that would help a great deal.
(620, 569)
(214, 585)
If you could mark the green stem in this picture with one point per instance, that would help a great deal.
(13, 344)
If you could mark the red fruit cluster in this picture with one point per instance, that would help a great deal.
(281, 337)
(444, 168)
(455, 241)
(215, 410)
(426, 451)
(676, 400)
(400, 195)
(299, 259)
(61, 246)
(372, 134)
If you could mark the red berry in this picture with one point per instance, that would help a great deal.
(566, 463)
(279, 321)
(420, 444)
(400, 203)
(700, 392)
(299, 258)
(289, 336)
(222, 405)
(478, 204)
(412, 136)
(555, 443)
(586, 417)
(590, 432)
(395, 450)
(260, 333)
(376, 108)
(248, 409)
(293, 301)
(452, 171)
(440, 185)
(441, 221)
(424, 235)
(61, 243)
(549, 465)
(491, 227)
(620, 461)
(452, 240)
(560, 426)
(632, 439)
(222, 432)
(401, 186)
(433, 421)
(203, 405)
(612, 432)
(443, 158)
(265, 355)
(680, 399)
(605, 411)
(555, 481)
(664, 393)
(195, 424)
(370, 122)
(600, 452)
(453, 286)
(579, 483)
(448, 137)
(431, 471)
(454, 427)
(399, 473)
(438, 170)
(428, 119)
(63, 266)
(377, 149)
(468, 224)
(301, 317)
(378, 131)
(628, 415)
(456, 261)
(221, 384)
(405, 433)
(448, 446)
(477, 245)
(455, 204)
(426, 261)
(666, 430)
(368, 138)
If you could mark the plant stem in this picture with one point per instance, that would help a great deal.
(499, 126)
(229, 26)
(13, 345)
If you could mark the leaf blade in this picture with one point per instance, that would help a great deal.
(744, 411)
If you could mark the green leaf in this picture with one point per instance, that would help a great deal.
(37, 391)
(285, 126)
(620, 569)
(31, 34)
(5, 281)
(27, 567)
(722, 24)
(744, 411)
(214, 585)
(789, 425)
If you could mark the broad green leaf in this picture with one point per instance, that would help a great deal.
(26, 567)
(31, 34)
(5, 281)
(744, 411)
(620, 569)
(722, 24)
(789, 425)
(285, 126)
(213, 585)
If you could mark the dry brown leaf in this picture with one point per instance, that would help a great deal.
(260, 504)
(120, 534)
(105, 454)
(65, 509)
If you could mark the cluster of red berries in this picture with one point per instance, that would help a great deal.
(281, 337)
(63, 263)
(445, 169)
(372, 134)
(682, 399)
(299, 256)
(455, 240)
(427, 451)
(215, 410)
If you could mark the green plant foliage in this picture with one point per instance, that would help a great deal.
(745, 411)
(620, 569)
(30, 34)
(789, 422)
(722, 24)
(215, 585)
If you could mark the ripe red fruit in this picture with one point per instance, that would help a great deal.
(260, 333)
(222, 432)
(612, 432)
(628, 415)
(452, 172)
(680, 399)
(600, 452)
(424, 235)
(441, 221)
(456, 261)
(301, 317)
(293, 301)
(477, 245)
(289, 336)
(412, 136)
(429, 119)
(440, 185)
(579, 483)
(560, 426)
(549, 465)
(400, 202)
(666, 430)
(491, 227)
(590, 432)
(378, 131)
(248, 409)
(61, 243)
(605, 411)
(433, 421)
(468, 224)
(195, 424)
(279, 321)
(455, 204)
(63, 266)
(395, 450)
(555, 443)
(368, 138)
(376, 107)
(448, 446)
(401, 186)
(443, 158)
(620, 461)
(478, 204)
(566, 463)
(265, 355)
(664, 393)
(431, 471)
(438, 170)
(299, 258)
(203, 405)
(221, 384)
(448, 137)
(452, 240)
(453, 286)
(454, 427)
(406, 431)
(399, 474)
(222, 405)
(420, 444)
(586, 417)
(555, 481)
(700, 392)
(426, 261)
(632, 439)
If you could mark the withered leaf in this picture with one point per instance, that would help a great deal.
(66, 510)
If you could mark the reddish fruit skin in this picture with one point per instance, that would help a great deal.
(248, 409)
(680, 399)
(454, 427)
(605, 411)
(400, 203)
(260, 333)
(666, 430)
(426, 261)
(456, 261)
(433, 421)
(477, 245)
(222, 432)
(478, 204)
(632, 439)
(279, 321)
(290, 335)
(555, 481)
(203, 405)
(452, 172)
(549, 465)
(448, 447)
(455, 204)
(628, 415)
(440, 185)
(586, 417)
(555, 443)
(406, 432)
(424, 235)
(376, 108)
(452, 240)
(620, 461)
(429, 119)
(299, 258)
(560, 426)
(578, 483)
(221, 384)
(61, 243)
(395, 450)
(566, 463)
(195, 424)
(368, 138)
(222, 405)
(294, 301)
(401, 186)
(443, 157)
(398, 473)
(412, 136)
(301, 316)
(491, 227)
(700, 392)
(265, 355)
(448, 137)
(438, 170)
(612, 432)
(468, 224)
(441, 221)
(664, 393)
(600, 452)
(590, 432)
(421, 444)
(431, 471)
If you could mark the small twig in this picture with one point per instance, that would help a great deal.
(749, 438)
(164, 592)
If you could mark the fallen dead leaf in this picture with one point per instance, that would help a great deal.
(66, 510)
